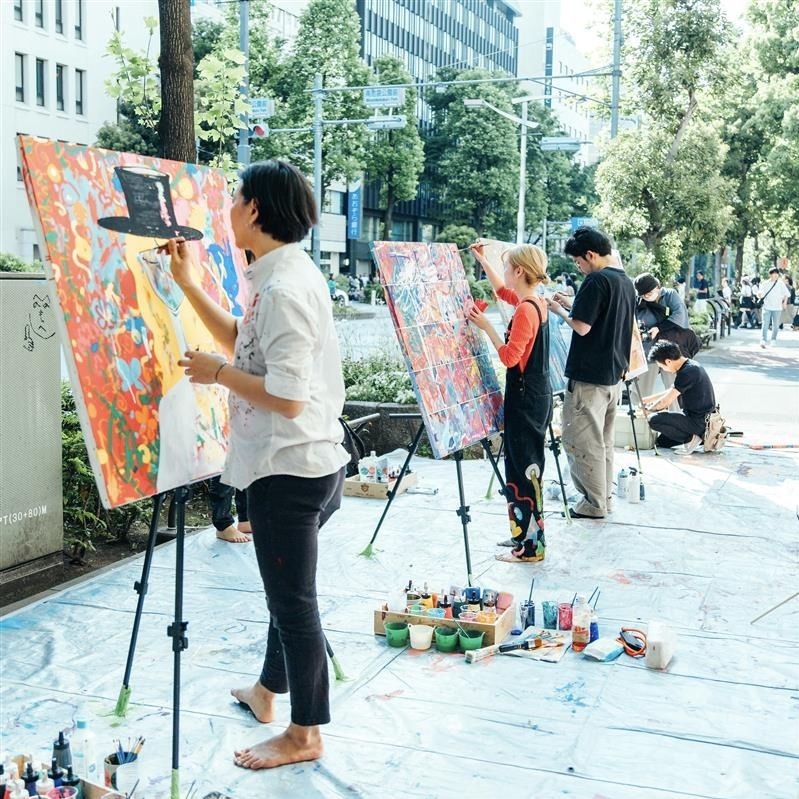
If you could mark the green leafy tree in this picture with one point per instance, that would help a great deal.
(463, 236)
(11, 263)
(327, 43)
(662, 183)
(396, 157)
(473, 154)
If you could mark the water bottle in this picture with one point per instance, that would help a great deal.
(621, 484)
(84, 758)
(634, 486)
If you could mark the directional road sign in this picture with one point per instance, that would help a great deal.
(386, 122)
(261, 107)
(383, 96)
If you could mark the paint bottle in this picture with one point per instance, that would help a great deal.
(643, 492)
(12, 777)
(594, 626)
(44, 784)
(445, 604)
(621, 484)
(29, 777)
(61, 751)
(84, 759)
(56, 773)
(20, 793)
(72, 780)
(426, 600)
(634, 486)
(581, 625)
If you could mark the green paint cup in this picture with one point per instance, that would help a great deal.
(446, 639)
(470, 639)
(397, 633)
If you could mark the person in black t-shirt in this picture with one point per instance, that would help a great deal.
(701, 286)
(692, 389)
(602, 318)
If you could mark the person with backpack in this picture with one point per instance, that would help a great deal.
(661, 314)
(694, 392)
(773, 296)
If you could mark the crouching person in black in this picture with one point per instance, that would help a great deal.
(692, 389)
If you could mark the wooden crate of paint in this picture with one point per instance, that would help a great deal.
(353, 487)
(91, 790)
(494, 633)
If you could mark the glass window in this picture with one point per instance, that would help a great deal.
(19, 16)
(59, 86)
(59, 16)
(19, 72)
(38, 13)
(41, 70)
(80, 80)
(79, 20)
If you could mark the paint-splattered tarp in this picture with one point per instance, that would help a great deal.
(713, 546)
(125, 321)
(448, 359)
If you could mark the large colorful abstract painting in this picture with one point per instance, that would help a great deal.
(489, 252)
(447, 357)
(124, 321)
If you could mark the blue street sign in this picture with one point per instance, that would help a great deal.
(354, 209)
(582, 221)
(383, 96)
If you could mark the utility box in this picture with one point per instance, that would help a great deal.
(31, 499)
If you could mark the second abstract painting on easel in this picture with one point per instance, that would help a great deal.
(448, 359)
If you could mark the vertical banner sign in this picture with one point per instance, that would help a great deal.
(354, 209)
(548, 48)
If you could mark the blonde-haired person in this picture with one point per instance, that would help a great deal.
(528, 395)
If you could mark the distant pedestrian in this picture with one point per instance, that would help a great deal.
(726, 290)
(790, 309)
(701, 286)
(774, 295)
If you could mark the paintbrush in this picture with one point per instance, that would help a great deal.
(596, 601)
(574, 598)
(592, 594)
(530, 596)
(132, 790)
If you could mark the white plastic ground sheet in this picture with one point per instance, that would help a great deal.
(713, 546)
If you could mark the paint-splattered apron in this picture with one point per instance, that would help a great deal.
(528, 409)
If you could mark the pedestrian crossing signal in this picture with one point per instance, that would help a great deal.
(259, 131)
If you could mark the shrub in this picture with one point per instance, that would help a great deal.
(10, 263)
(85, 518)
(377, 378)
(481, 290)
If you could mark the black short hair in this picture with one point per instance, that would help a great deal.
(283, 196)
(773, 270)
(665, 350)
(586, 239)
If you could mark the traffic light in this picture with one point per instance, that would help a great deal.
(259, 130)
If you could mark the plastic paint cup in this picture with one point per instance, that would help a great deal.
(63, 792)
(121, 777)
(565, 616)
(411, 598)
(397, 633)
(527, 613)
(436, 613)
(486, 617)
(467, 615)
(416, 610)
(550, 611)
(470, 639)
(446, 639)
(421, 636)
(397, 602)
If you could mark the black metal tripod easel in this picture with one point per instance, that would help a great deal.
(463, 509)
(176, 631)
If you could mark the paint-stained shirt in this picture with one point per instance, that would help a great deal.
(523, 330)
(288, 337)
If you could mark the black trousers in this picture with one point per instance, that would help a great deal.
(221, 496)
(286, 513)
(676, 428)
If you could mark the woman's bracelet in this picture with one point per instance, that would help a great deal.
(221, 367)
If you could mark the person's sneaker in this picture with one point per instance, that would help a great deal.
(508, 542)
(688, 448)
(762, 344)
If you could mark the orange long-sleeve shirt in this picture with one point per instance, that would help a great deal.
(524, 329)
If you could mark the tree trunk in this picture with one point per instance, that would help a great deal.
(176, 63)
(739, 259)
(388, 216)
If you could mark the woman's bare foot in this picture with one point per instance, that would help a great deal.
(233, 535)
(245, 527)
(296, 745)
(259, 700)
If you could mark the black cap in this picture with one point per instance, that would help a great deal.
(645, 282)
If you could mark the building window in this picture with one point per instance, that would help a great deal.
(80, 80)
(19, 70)
(59, 86)
(18, 14)
(41, 71)
(38, 13)
(59, 16)
(79, 20)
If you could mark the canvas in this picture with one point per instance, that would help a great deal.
(124, 322)
(448, 360)
(490, 253)
(638, 362)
